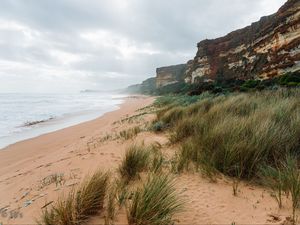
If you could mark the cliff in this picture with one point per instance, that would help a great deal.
(132, 89)
(170, 75)
(149, 86)
(268, 48)
(146, 87)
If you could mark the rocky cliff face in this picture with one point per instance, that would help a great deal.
(170, 75)
(267, 48)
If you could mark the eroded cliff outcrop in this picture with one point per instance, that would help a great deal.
(266, 49)
(170, 75)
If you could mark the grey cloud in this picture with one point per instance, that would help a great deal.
(138, 35)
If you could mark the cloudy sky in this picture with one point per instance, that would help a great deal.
(70, 45)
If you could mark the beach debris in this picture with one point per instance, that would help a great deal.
(57, 178)
(28, 203)
(24, 195)
(32, 123)
(288, 221)
(49, 203)
(4, 208)
(73, 175)
(57, 189)
(15, 214)
(36, 197)
(49, 164)
(11, 214)
(274, 218)
(72, 183)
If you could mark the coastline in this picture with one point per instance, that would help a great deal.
(77, 130)
(76, 152)
(24, 164)
(34, 128)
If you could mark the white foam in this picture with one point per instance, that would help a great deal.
(63, 110)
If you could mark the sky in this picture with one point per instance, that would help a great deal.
(72, 45)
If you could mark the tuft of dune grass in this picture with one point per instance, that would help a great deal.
(136, 160)
(157, 159)
(130, 133)
(90, 196)
(80, 204)
(284, 179)
(155, 203)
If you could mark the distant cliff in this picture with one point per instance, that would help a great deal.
(170, 75)
(266, 49)
(149, 86)
(146, 87)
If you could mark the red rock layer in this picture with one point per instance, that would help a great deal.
(265, 49)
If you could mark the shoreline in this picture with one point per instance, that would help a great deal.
(18, 144)
(36, 172)
(53, 124)
(24, 164)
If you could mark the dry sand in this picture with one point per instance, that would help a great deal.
(28, 168)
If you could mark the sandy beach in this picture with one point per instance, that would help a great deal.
(28, 168)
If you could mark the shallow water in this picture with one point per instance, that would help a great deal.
(56, 110)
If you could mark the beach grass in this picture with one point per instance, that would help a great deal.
(136, 160)
(157, 158)
(80, 204)
(284, 179)
(155, 203)
(111, 205)
(238, 131)
(130, 133)
(292, 182)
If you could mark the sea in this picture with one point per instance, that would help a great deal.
(24, 116)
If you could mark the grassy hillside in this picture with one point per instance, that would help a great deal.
(235, 134)
(289, 80)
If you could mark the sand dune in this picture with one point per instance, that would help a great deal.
(33, 173)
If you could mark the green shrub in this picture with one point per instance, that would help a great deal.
(179, 100)
(251, 83)
(292, 84)
(158, 126)
(220, 85)
(289, 78)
